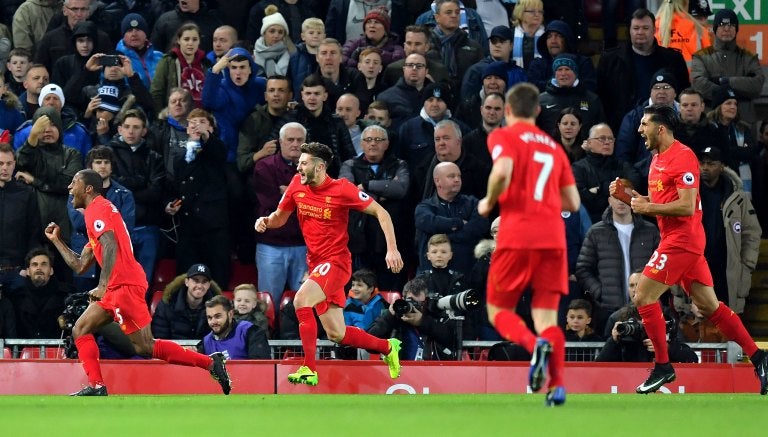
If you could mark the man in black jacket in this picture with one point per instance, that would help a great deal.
(181, 313)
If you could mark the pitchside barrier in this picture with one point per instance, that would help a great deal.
(37, 368)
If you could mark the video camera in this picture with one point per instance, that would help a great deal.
(633, 330)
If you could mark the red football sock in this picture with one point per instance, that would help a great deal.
(556, 338)
(730, 324)
(173, 353)
(356, 337)
(308, 334)
(88, 353)
(510, 326)
(656, 329)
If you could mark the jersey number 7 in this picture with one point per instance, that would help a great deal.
(547, 162)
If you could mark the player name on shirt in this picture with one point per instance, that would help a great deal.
(540, 138)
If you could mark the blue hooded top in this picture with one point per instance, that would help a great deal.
(231, 104)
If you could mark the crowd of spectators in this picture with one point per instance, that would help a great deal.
(193, 110)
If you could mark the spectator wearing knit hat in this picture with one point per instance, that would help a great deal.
(144, 58)
(344, 20)
(273, 49)
(195, 11)
(296, 10)
(500, 43)
(630, 146)
(48, 165)
(376, 28)
(72, 133)
(494, 79)
(566, 90)
(726, 65)
(558, 39)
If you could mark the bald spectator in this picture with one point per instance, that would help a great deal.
(348, 110)
(224, 38)
(452, 213)
(36, 78)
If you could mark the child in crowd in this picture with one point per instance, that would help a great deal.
(16, 68)
(304, 60)
(364, 303)
(578, 318)
(249, 307)
(577, 329)
(440, 279)
(272, 51)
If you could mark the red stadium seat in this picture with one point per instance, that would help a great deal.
(165, 271)
(266, 297)
(390, 296)
(157, 296)
(229, 295)
(7, 353)
(241, 274)
(288, 296)
(51, 353)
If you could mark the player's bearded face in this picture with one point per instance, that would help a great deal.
(307, 169)
(649, 131)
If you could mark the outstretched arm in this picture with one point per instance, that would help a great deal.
(79, 263)
(393, 259)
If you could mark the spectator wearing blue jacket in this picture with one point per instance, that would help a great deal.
(99, 159)
(558, 39)
(500, 43)
(136, 46)
(231, 92)
(363, 305)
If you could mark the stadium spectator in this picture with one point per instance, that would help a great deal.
(528, 22)
(273, 49)
(364, 303)
(143, 55)
(31, 21)
(404, 98)
(451, 45)
(249, 308)
(35, 79)
(494, 80)
(180, 315)
(339, 79)
(369, 65)
(303, 61)
(224, 39)
(500, 43)
(236, 339)
(579, 318)
(469, 21)
(298, 12)
(186, 11)
(416, 41)
(344, 21)
(557, 40)
(475, 143)
(19, 61)
(376, 34)
(348, 110)
(677, 29)
(570, 133)
(696, 130)
(10, 115)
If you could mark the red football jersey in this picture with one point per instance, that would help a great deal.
(323, 214)
(531, 204)
(102, 216)
(676, 168)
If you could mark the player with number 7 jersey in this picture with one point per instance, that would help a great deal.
(532, 181)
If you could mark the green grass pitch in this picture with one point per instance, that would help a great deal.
(394, 415)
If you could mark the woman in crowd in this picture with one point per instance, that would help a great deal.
(184, 66)
(273, 49)
(376, 34)
(569, 133)
(528, 22)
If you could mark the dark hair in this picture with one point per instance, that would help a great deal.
(314, 80)
(219, 300)
(523, 98)
(641, 13)
(415, 28)
(134, 113)
(493, 94)
(581, 304)
(570, 111)
(90, 177)
(34, 65)
(318, 150)
(664, 115)
(183, 28)
(99, 152)
(7, 148)
(199, 112)
(37, 251)
(365, 276)
(692, 91)
(415, 286)
(281, 77)
(440, 3)
(22, 52)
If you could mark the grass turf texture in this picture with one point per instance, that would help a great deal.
(395, 415)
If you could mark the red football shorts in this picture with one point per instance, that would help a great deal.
(332, 278)
(673, 265)
(512, 271)
(127, 306)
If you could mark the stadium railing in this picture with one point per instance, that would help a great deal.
(728, 352)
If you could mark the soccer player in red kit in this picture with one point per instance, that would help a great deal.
(119, 295)
(322, 205)
(673, 198)
(532, 181)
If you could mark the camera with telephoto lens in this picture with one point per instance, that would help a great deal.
(465, 300)
(404, 306)
(632, 330)
(74, 306)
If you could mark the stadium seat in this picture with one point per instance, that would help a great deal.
(51, 353)
(165, 271)
(7, 353)
(390, 296)
(240, 273)
(288, 296)
(266, 297)
(157, 296)
(291, 354)
(229, 295)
